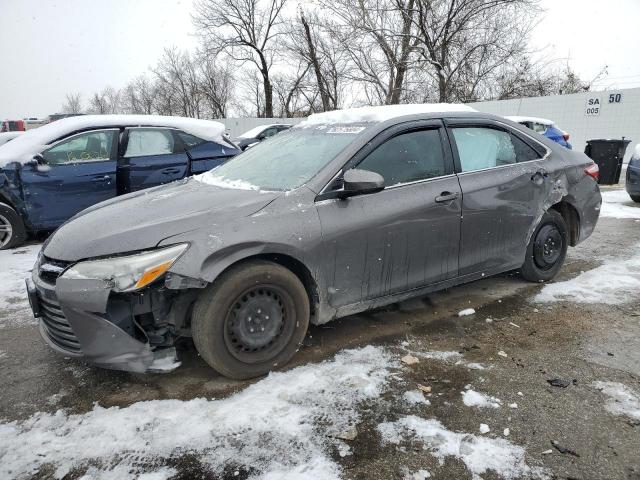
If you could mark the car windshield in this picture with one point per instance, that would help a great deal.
(285, 161)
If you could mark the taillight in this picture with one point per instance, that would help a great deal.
(593, 171)
(566, 137)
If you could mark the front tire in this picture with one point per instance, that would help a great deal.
(547, 248)
(251, 320)
(12, 231)
(635, 198)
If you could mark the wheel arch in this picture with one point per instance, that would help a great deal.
(571, 217)
(293, 264)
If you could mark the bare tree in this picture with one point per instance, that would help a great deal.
(309, 43)
(106, 101)
(216, 85)
(245, 30)
(379, 37)
(72, 104)
(139, 96)
(466, 41)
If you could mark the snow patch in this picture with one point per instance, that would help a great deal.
(211, 178)
(281, 427)
(471, 398)
(414, 397)
(622, 400)
(16, 265)
(466, 312)
(618, 204)
(615, 282)
(380, 113)
(479, 454)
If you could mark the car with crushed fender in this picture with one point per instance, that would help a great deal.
(348, 211)
(49, 174)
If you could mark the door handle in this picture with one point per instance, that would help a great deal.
(102, 178)
(539, 177)
(170, 171)
(445, 197)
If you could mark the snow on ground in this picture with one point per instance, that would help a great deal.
(466, 312)
(618, 204)
(280, 427)
(471, 398)
(615, 282)
(447, 357)
(414, 397)
(479, 454)
(15, 266)
(622, 400)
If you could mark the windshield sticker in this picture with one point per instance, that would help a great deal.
(351, 130)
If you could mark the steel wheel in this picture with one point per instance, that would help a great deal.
(257, 323)
(548, 246)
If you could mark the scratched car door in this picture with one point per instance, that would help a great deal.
(404, 236)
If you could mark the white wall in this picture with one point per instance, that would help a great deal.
(614, 120)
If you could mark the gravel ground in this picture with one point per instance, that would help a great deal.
(523, 345)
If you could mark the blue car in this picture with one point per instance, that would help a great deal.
(544, 127)
(49, 174)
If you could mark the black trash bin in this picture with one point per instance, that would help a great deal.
(608, 154)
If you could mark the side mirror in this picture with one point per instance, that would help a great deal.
(39, 159)
(359, 182)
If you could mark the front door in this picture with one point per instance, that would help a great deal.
(504, 187)
(405, 236)
(78, 172)
(152, 156)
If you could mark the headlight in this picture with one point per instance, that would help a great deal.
(130, 272)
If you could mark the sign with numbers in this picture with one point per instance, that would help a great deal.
(593, 106)
(615, 98)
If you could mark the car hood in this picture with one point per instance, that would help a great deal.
(143, 219)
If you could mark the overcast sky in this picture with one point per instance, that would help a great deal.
(51, 47)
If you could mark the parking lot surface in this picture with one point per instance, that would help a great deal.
(495, 379)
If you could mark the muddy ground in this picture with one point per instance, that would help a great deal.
(578, 342)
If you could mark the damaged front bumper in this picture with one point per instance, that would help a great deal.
(82, 318)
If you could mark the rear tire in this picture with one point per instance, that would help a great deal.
(251, 320)
(635, 198)
(547, 248)
(12, 231)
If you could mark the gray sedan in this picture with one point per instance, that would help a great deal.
(349, 211)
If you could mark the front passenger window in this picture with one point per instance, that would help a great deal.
(407, 158)
(482, 147)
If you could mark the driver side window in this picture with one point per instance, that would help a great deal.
(84, 147)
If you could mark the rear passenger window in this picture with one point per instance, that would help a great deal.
(524, 152)
(189, 140)
(149, 141)
(483, 147)
(407, 158)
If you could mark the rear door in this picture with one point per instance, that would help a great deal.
(504, 185)
(205, 154)
(403, 237)
(79, 171)
(150, 156)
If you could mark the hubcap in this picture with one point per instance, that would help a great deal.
(6, 231)
(548, 247)
(256, 322)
